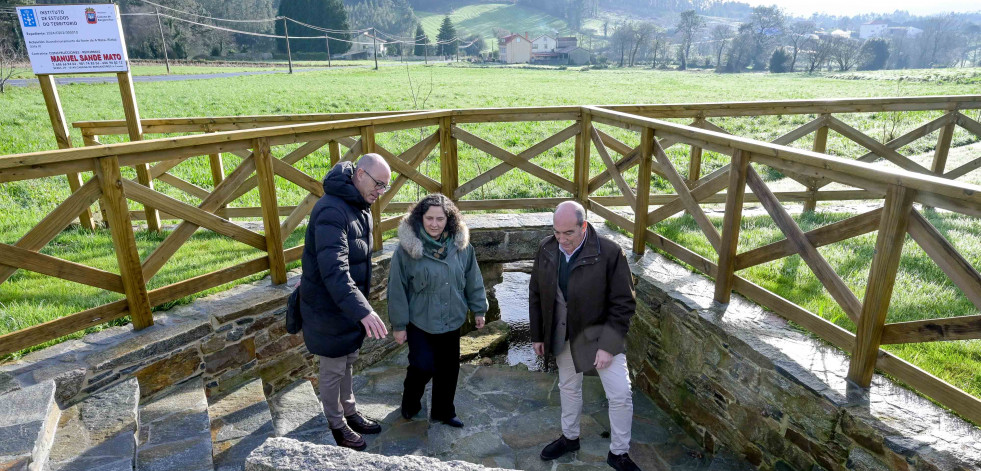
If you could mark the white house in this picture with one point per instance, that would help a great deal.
(362, 46)
(542, 44)
(873, 29)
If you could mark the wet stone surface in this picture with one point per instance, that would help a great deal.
(511, 413)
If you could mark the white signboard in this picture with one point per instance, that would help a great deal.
(72, 39)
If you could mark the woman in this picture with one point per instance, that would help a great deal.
(433, 281)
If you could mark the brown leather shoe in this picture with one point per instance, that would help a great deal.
(348, 438)
(362, 424)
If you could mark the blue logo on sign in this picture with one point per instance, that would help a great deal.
(27, 16)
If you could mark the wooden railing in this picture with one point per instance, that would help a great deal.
(269, 149)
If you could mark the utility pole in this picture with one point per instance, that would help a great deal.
(162, 40)
(374, 47)
(457, 49)
(327, 39)
(289, 55)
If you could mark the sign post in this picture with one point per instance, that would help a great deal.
(81, 39)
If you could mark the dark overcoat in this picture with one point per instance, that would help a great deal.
(601, 298)
(336, 267)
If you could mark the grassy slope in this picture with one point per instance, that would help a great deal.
(27, 298)
(483, 18)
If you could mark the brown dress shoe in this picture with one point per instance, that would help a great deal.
(348, 438)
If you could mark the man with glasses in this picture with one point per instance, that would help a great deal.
(334, 289)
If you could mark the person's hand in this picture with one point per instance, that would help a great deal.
(603, 359)
(399, 336)
(480, 322)
(374, 326)
(539, 348)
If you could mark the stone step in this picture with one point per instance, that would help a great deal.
(297, 413)
(175, 431)
(28, 421)
(240, 422)
(99, 432)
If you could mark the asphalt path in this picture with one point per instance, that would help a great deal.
(172, 78)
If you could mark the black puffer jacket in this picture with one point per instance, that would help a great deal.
(337, 267)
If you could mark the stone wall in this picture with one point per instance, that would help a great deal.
(740, 377)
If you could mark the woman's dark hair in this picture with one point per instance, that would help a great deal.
(435, 199)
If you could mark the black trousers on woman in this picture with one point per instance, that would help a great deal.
(433, 357)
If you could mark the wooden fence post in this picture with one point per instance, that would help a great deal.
(217, 169)
(882, 277)
(135, 129)
(643, 189)
(695, 163)
(449, 173)
(367, 147)
(335, 152)
(581, 172)
(730, 226)
(820, 145)
(270, 210)
(121, 227)
(943, 148)
(60, 126)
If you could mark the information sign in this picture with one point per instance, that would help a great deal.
(72, 39)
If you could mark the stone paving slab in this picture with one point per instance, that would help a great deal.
(28, 422)
(175, 432)
(240, 422)
(512, 413)
(297, 413)
(99, 432)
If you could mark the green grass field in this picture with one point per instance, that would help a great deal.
(27, 299)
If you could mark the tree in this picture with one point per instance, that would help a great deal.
(474, 45)
(721, 37)
(798, 34)
(939, 40)
(446, 40)
(422, 41)
(688, 26)
(817, 51)
(874, 54)
(844, 51)
(642, 33)
(9, 59)
(742, 50)
(623, 39)
(766, 28)
(328, 14)
(779, 61)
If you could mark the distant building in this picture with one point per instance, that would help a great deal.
(905, 31)
(363, 47)
(515, 49)
(542, 44)
(873, 29)
(565, 52)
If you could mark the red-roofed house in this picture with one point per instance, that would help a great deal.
(515, 49)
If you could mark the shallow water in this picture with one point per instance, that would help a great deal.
(512, 295)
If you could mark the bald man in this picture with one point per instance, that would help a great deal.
(334, 289)
(581, 299)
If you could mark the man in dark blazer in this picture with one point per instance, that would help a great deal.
(334, 289)
(581, 299)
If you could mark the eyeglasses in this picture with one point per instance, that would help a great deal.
(379, 185)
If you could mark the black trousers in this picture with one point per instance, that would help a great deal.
(433, 357)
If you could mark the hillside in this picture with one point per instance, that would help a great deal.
(483, 18)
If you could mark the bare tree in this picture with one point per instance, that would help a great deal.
(623, 40)
(642, 33)
(721, 37)
(939, 40)
(844, 51)
(798, 34)
(817, 50)
(688, 26)
(10, 59)
(660, 43)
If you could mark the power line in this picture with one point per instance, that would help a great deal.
(262, 20)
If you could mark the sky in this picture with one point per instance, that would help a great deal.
(855, 7)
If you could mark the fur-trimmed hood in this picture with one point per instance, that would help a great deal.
(412, 244)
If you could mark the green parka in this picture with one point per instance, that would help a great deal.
(434, 295)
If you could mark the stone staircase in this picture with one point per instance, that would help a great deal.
(510, 412)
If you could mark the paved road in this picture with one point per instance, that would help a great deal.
(172, 78)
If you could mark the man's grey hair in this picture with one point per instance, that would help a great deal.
(576, 208)
(368, 162)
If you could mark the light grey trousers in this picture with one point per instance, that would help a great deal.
(616, 384)
(336, 393)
